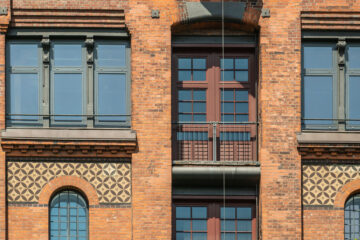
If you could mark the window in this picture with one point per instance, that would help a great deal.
(68, 216)
(204, 221)
(331, 75)
(215, 116)
(352, 217)
(77, 82)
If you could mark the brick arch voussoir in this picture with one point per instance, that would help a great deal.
(345, 192)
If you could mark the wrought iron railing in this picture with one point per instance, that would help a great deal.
(215, 141)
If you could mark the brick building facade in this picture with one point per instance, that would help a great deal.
(153, 119)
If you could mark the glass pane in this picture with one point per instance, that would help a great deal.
(242, 107)
(199, 75)
(227, 225)
(244, 236)
(241, 76)
(318, 99)
(199, 63)
(24, 96)
(353, 100)
(184, 95)
(241, 63)
(183, 225)
(242, 118)
(244, 226)
(244, 213)
(199, 225)
(185, 117)
(112, 97)
(227, 118)
(200, 118)
(227, 75)
(199, 107)
(24, 55)
(199, 236)
(227, 236)
(227, 95)
(199, 212)
(353, 56)
(184, 63)
(184, 76)
(318, 57)
(68, 98)
(183, 236)
(227, 63)
(228, 213)
(185, 107)
(199, 95)
(227, 107)
(241, 95)
(67, 55)
(183, 212)
(111, 55)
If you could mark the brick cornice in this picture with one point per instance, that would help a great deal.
(25, 148)
(4, 23)
(329, 151)
(327, 20)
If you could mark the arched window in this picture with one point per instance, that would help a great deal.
(352, 217)
(68, 216)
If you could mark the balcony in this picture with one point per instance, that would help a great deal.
(215, 142)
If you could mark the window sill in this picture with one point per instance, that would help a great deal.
(328, 137)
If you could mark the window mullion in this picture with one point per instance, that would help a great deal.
(341, 83)
(89, 43)
(45, 81)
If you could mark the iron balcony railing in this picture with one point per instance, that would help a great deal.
(215, 141)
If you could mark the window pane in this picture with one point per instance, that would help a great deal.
(199, 212)
(199, 225)
(318, 99)
(184, 76)
(318, 57)
(227, 107)
(244, 236)
(200, 118)
(228, 213)
(183, 225)
(185, 95)
(184, 63)
(353, 100)
(199, 107)
(241, 76)
(227, 225)
(199, 95)
(112, 97)
(244, 213)
(24, 96)
(227, 236)
(244, 226)
(183, 212)
(241, 95)
(185, 117)
(24, 55)
(242, 118)
(185, 107)
(111, 55)
(227, 118)
(183, 236)
(199, 236)
(353, 57)
(199, 63)
(68, 98)
(241, 63)
(67, 55)
(227, 95)
(199, 75)
(227, 76)
(242, 107)
(227, 63)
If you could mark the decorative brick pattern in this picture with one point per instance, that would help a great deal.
(321, 183)
(112, 181)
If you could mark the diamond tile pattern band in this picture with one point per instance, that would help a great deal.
(112, 181)
(322, 182)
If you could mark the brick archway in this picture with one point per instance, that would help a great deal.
(68, 181)
(346, 191)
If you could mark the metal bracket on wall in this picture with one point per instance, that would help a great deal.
(265, 13)
(3, 10)
(155, 13)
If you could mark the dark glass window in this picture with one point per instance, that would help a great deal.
(191, 222)
(68, 216)
(352, 218)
